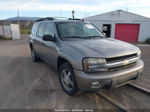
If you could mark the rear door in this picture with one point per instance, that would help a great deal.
(33, 37)
(39, 41)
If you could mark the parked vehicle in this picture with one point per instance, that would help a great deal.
(84, 58)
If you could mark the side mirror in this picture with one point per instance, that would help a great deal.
(104, 34)
(48, 38)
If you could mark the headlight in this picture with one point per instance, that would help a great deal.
(94, 64)
(139, 53)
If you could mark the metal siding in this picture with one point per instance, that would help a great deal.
(143, 31)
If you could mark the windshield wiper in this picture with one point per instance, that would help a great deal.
(73, 37)
(89, 37)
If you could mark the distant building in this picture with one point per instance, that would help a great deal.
(122, 25)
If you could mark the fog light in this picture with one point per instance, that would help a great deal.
(95, 83)
(102, 85)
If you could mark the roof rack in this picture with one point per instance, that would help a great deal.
(47, 18)
(51, 18)
(76, 19)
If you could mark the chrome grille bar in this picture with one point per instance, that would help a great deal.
(121, 63)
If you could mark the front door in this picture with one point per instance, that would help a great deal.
(50, 47)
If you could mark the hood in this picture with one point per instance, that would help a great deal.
(104, 48)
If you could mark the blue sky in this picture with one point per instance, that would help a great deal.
(63, 8)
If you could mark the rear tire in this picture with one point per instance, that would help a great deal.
(35, 58)
(68, 81)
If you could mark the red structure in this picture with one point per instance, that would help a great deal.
(127, 32)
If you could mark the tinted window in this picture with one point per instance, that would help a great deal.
(41, 29)
(34, 29)
(49, 29)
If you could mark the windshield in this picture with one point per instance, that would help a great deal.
(78, 30)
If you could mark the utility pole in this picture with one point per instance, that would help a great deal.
(18, 15)
(18, 18)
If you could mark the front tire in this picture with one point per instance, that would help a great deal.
(67, 79)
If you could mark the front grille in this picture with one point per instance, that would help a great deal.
(113, 62)
(121, 67)
(120, 58)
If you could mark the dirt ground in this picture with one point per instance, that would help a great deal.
(28, 85)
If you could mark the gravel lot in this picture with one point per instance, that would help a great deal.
(144, 80)
(28, 85)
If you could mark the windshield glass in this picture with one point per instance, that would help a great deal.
(78, 30)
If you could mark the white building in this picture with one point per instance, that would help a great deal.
(122, 25)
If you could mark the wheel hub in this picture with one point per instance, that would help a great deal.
(66, 79)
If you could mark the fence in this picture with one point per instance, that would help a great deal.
(10, 31)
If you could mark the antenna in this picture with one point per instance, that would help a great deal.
(73, 14)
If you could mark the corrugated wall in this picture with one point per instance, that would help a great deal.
(144, 31)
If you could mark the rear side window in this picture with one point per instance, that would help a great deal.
(41, 28)
(49, 29)
(34, 29)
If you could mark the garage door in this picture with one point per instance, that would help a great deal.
(127, 32)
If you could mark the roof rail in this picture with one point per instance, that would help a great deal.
(76, 19)
(47, 18)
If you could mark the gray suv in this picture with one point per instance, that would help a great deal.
(84, 58)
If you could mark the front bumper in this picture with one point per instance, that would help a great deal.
(107, 80)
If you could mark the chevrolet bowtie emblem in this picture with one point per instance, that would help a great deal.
(125, 62)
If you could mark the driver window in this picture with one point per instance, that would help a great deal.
(49, 29)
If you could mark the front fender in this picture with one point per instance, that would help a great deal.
(73, 59)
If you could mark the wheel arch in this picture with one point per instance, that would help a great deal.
(61, 60)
